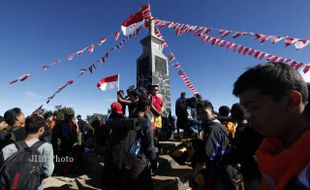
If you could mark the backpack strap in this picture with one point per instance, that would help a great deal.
(21, 145)
(37, 144)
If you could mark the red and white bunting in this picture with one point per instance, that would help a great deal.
(90, 48)
(116, 35)
(171, 56)
(200, 31)
(225, 33)
(71, 57)
(276, 39)
(45, 67)
(288, 41)
(264, 38)
(187, 82)
(306, 69)
(24, 77)
(80, 52)
(13, 81)
(176, 65)
(101, 41)
(301, 44)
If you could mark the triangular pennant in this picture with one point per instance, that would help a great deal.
(90, 48)
(171, 56)
(45, 67)
(101, 41)
(306, 69)
(301, 44)
(116, 35)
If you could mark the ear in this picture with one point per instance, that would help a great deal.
(294, 100)
(41, 130)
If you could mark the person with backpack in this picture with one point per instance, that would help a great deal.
(28, 162)
(15, 118)
(129, 151)
(209, 167)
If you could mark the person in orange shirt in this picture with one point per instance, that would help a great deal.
(275, 95)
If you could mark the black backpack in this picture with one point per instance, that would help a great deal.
(125, 133)
(24, 169)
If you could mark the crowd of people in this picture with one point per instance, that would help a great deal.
(259, 143)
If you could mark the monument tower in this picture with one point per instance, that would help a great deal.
(152, 67)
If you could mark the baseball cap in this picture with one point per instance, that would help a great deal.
(117, 107)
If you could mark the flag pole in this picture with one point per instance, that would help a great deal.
(118, 82)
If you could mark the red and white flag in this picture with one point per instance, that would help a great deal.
(108, 83)
(71, 57)
(45, 67)
(101, 41)
(24, 77)
(116, 35)
(171, 57)
(90, 48)
(276, 39)
(301, 44)
(134, 21)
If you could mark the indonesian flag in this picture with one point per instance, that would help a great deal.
(116, 35)
(108, 83)
(171, 57)
(101, 41)
(24, 77)
(45, 67)
(134, 21)
(301, 44)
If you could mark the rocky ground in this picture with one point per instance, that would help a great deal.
(87, 176)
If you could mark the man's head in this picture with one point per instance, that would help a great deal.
(143, 104)
(205, 111)
(274, 95)
(154, 89)
(224, 111)
(120, 93)
(14, 117)
(183, 95)
(116, 108)
(79, 117)
(35, 125)
(48, 116)
(237, 112)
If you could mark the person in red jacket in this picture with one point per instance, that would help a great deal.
(275, 95)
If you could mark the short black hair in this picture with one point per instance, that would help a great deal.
(274, 79)
(237, 112)
(224, 111)
(205, 104)
(11, 115)
(34, 123)
(48, 114)
(155, 86)
(143, 103)
(120, 92)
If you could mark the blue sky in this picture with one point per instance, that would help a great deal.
(35, 32)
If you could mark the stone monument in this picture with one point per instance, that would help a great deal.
(153, 68)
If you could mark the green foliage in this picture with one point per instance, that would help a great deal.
(94, 116)
(61, 111)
